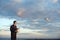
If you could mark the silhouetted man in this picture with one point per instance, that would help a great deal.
(13, 30)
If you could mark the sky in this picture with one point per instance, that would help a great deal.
(35, 18)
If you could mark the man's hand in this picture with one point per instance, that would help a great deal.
(17, 30)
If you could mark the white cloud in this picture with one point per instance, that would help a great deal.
(5, 22)
(56, 24)
(26, 30)
(54, 1)
(6, 34)
(23, 35)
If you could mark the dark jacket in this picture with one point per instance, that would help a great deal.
(13, 32)
(13, 29)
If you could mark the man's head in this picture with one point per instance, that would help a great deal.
(14, 23)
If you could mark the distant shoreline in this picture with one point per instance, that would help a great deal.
(27, 39)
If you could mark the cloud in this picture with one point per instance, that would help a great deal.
(32, 9)
(24, 33)
(5, 22)
(54, 1)
(34, 31)
(6, 34)
(20, 11)
(56, 24)
(58, 11)
(17, 0)
(14, 2)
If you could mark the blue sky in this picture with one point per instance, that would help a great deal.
(39, 18)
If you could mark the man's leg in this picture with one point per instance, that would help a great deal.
(14, 36)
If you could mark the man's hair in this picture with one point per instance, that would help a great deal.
(14, 22)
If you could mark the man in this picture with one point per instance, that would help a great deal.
(13, 30)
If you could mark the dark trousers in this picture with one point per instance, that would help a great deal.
(13, 36)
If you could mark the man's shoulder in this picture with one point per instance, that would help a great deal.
(11, 25)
